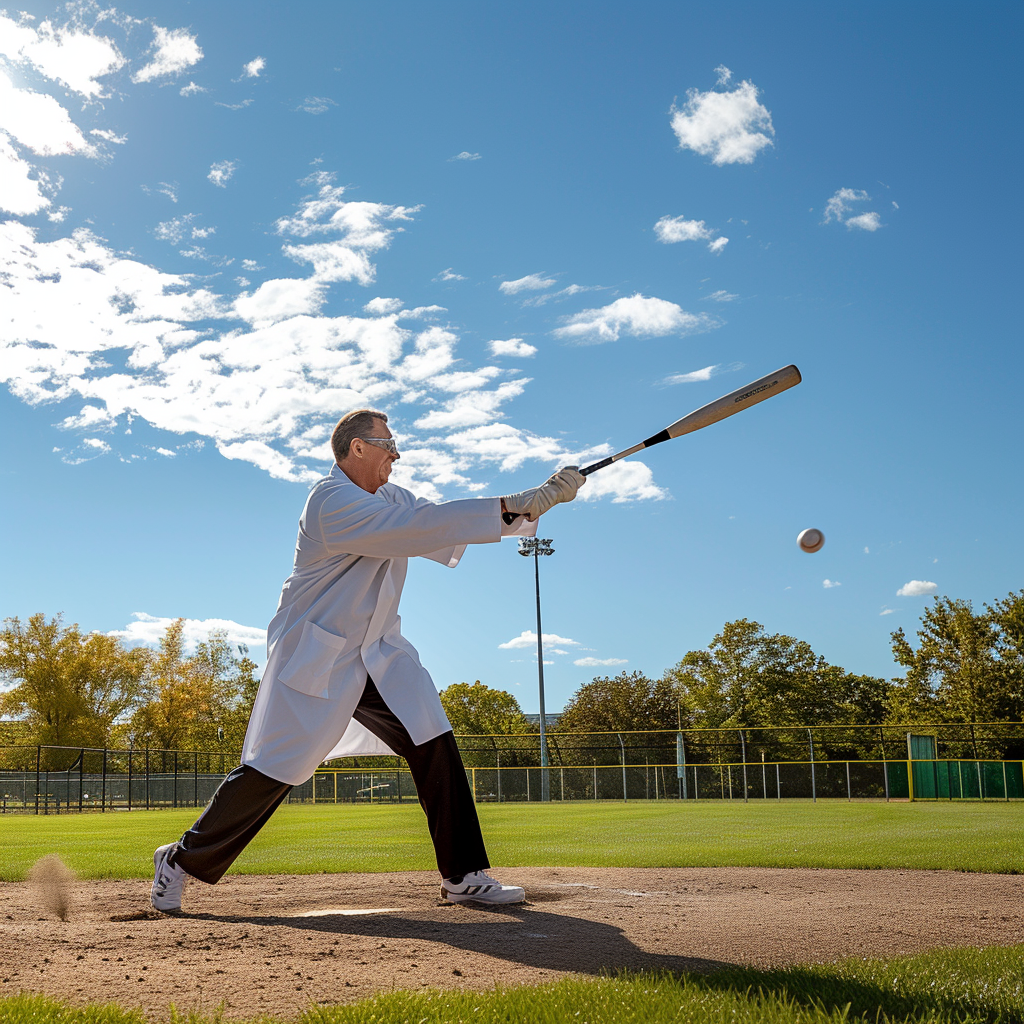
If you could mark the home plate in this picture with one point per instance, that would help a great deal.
(348, 912)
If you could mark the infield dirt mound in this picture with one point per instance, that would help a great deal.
(275, 944)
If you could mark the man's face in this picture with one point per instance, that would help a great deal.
(367, 464)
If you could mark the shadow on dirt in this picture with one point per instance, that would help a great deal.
(519, 934)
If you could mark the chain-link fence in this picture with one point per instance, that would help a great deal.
(966, 761)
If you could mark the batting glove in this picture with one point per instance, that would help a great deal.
(560, 486)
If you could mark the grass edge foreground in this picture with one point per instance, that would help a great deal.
(958, 986)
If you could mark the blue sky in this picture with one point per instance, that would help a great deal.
(534, 234)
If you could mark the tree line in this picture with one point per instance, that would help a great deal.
(75, 689)
(69, 688)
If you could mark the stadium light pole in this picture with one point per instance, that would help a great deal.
(536, 546)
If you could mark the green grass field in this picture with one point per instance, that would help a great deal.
(944, 987)
(310, 840)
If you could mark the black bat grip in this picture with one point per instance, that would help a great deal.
(508, 518)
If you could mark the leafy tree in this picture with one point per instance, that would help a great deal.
(750, 679)
(69, 688)
(481, 710)
(190, 698)
(629, 701)
(966, 666)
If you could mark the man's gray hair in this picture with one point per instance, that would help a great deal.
(353, 425)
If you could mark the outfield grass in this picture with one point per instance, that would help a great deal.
(942, 987)
(310, 840)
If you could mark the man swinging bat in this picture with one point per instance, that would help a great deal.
(341, 679)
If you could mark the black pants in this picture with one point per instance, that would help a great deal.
(247, 798)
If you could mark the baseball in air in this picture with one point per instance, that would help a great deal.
(811, 540)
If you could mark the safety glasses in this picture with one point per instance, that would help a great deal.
(382, 442)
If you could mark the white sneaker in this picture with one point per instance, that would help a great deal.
(479, 886)
(168, 881)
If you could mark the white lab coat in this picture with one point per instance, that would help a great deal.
(337, 622)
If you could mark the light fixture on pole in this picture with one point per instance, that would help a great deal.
(536, 546)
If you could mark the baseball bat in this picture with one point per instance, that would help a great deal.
(728, 405)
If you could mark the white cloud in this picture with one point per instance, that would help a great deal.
(108, 136)
(599, 662)
(316, 104)
(221, 173)
(886, 611)
(530, 283)
(71, 55)
(235, 106)
(381, 306)
(258, 374)
(829, 584)
(721, 296)
(679, 229)
(254, 67)
(449, 275)
(839, 206)
(528, 639)
(19, 194)
(730, 127)
(870, 221)
(705, 373)
(92, 417)
(149, 630)
(867, 551)
(173, 230)
(512, 347)
(203, 232)
(637, 315)
(251, 265)
(58, 215)
(917, 588)
(464, 155)
(172, 50)
(628, 480)
(724, 74)
(716, 246)
(39, 122)
(191, 89)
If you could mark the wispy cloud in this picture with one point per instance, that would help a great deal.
(829, 584)
(637, 316)
(221, 173)
(694, 376)
(840, 204)
(731, 127)
(528, 639)
(464, 155)
(599, 662)
(886, 611)
(721, 296)
(512, 347)
(191, 89)
(149, 630)
(316, 104)
(449, 275)
(530, 283)
(263, 374)
(917, 588)
(172, 51)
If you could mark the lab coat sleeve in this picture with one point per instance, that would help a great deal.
(451, 556)
(353, 521)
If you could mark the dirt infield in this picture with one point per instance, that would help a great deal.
(275, 944)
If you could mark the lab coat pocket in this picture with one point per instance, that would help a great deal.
(308, 670)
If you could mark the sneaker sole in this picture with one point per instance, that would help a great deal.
(502, 896)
